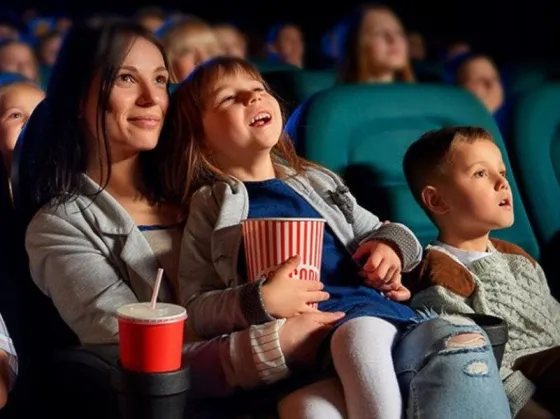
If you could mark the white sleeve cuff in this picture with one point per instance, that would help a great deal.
(267, 354)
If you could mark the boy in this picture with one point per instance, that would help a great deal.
(459, 178)
(8, 364)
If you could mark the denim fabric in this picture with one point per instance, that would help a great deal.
(439, 381)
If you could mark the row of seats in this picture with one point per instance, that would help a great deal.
(363, 131)
(295, 85)
(359, 131)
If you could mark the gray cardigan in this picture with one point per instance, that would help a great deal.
(90, 258)
(218, 300)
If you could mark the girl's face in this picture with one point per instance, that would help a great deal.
(241, 120)
(383, 42)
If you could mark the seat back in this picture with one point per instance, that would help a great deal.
(535, 152)
(363, 131)
(520, 79)
(267, 65)
(294, 87)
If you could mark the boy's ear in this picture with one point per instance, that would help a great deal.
(433, 201)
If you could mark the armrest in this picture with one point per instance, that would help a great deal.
(497, 331)
(138, 395)
(80, 382)
(97, 361)
(100, 357)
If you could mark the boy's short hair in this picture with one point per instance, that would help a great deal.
(428, 156)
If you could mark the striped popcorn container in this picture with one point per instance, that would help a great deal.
(271, 241)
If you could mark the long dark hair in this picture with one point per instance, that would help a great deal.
(60, 156)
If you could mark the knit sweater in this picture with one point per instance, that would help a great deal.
(507, 283)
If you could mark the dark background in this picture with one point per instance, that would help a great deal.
(508, 31)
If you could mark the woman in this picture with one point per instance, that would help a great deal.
(374, 47)
(103, 226)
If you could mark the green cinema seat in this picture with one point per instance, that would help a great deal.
(363, 131)
(535, 154)
(265, 65)
(294, 87)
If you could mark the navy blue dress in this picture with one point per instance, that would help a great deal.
(339, 272)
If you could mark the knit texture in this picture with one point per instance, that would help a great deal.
(507, 285)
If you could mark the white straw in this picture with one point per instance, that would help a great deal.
(155, 292)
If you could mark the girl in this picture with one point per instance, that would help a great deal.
(237, 164)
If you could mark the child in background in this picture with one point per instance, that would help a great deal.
(18, 57)
(188, 42)
(231, 39)
(458, 176)
(236, 163)
(17, 102)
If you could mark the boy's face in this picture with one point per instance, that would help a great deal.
(16, 105)
(473, 196)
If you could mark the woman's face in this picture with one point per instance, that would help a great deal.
(137, 104)
(383, 42)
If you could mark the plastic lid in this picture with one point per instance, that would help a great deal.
(143, 313)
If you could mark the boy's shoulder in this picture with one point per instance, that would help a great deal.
(508, 248)
(440, 269)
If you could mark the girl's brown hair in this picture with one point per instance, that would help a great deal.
(183, 136)
(352, 68)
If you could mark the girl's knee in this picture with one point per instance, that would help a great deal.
(323, 399)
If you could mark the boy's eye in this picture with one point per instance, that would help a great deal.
(480, 173)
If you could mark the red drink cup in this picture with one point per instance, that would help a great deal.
(271, 241)
(151, 340)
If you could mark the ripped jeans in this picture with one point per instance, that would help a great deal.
(442, 377)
